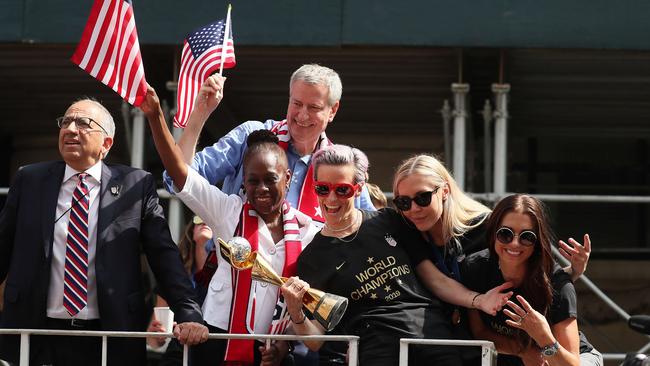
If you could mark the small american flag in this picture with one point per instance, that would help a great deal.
(109, 49)
(203, 52)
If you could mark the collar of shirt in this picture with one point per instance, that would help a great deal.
(304, 158)
(94, 171)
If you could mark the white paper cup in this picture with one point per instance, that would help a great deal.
(165, 316)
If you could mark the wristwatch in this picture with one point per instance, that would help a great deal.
(551, 349)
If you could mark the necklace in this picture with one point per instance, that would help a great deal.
(352, 239)
(331, 229)
(359, 219)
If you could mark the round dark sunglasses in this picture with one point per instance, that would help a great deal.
(342, 190)
(422, 199)
(526, 238)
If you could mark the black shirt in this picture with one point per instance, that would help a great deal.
(475, 239)
(480, 272)
(446, 257)
(374, 271)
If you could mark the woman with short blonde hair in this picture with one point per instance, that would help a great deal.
(459, 212)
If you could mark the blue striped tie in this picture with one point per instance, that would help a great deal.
(76, 252)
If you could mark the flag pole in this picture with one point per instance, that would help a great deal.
(226, 36)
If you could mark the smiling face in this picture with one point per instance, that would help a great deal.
(308, 114)
(515, 254)
(265, 180)
(336, 210)
(83, 149)
(428, 218)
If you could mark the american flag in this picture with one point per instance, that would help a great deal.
(109, 49)
(203, 51)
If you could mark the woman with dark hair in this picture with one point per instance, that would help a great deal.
(364, 256)
(193, 244)
(540, 326)
(234, 302)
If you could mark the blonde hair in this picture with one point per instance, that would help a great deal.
(377, 196)
(460, 212)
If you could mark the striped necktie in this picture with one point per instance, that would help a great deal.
(76, 251)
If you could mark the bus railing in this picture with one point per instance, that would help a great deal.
(488, 351)
(353, 341)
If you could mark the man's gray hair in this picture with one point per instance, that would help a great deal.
(342, 155)
(107, 123)
(316, 74)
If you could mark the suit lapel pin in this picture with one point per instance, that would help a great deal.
(115, 190)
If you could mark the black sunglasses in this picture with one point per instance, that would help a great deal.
(526, 238)
(422, 199)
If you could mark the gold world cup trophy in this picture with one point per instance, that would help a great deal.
(327, 309)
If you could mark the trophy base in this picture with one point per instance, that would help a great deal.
(329, 310)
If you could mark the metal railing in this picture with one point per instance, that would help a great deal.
(608, 301)
(494, 197)
(488, 351)
(353, 341)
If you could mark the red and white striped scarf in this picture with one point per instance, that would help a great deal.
(242, 313)
(308, 201)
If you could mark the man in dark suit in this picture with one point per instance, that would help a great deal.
(71, 236)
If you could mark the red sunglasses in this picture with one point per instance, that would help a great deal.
(342, 190)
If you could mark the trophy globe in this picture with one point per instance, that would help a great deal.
(326, 308)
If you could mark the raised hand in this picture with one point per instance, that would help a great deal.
(209, 95)
(577, 254)
(151, 104)
(529, 320)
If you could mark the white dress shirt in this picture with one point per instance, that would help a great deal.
(221, 212)
(55, 307)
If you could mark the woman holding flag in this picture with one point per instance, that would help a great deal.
(314, 98)
(276, 230)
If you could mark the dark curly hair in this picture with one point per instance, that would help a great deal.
(264, 141)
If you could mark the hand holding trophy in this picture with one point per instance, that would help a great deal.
(327, 309)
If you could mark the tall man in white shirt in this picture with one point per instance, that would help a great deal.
(71, 234)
